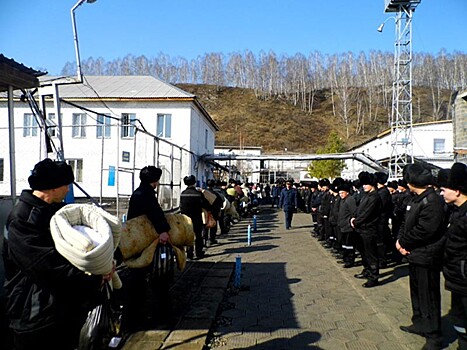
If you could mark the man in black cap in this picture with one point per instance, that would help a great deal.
(366, 222)
(384, 233)
(288, 201)
(454, 191)
(421, 240)
(324, 209)
(143, 201)
(192, 202)
(347, 210)
(313, 204)
(48, 298)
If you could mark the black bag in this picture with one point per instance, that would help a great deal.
(102, 324)
(162, 266)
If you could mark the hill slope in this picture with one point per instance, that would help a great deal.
(276, 124)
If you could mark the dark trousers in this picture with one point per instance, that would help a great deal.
(326, 229)
(369, 251)
(348, 247)
(385, 243)
(135, 289)
(426, 299)
(288, 218)
(274, 201)
(459, 317)
(210, 233)
(199, 242)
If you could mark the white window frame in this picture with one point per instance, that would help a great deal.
(128, 125)
(78, 122)
(77, 167)
(30, 126)
(164, 125)
(104, 126)
(438, 142)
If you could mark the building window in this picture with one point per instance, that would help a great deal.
(205, 138)
(1, 170)
(51, 123)
(103, 126)
(164, 125)
(29, 125)
(77, 166)
(438, 146)
(78, 125)
(128, 124)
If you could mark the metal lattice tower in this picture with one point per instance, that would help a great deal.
(401, 113)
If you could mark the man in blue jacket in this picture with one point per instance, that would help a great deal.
(288, 202)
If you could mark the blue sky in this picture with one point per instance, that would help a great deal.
(38, 33)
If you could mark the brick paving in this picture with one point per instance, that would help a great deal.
(293, 295)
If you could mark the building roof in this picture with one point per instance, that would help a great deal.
(17, 75)
(124, 88)
(120, 87)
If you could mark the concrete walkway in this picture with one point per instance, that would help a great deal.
(293, 295)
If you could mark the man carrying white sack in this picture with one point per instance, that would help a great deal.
(47, 297)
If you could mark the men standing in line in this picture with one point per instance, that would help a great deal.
(324, 210)
(192, 203)
(143, 201)
(421, 240)
(384, 233)
(288, 202)
(366, 222)
(455, 252)
(313, 204)
(347, 210)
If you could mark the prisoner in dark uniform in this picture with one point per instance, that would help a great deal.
(366, 223)
(421, 240)
(454, 192)
(192, 203)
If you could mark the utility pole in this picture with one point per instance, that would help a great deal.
(401, 112)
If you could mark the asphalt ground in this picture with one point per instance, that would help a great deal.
(291, 293)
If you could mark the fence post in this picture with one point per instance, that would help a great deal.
(238, 271)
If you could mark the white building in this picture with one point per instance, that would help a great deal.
(112, 126)
(432, 143)
(262, 171)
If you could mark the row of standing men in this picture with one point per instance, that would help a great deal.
(421, 218)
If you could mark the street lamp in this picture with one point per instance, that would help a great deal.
(75, 37)
(381, 26)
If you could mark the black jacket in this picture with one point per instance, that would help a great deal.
(325, 207)
(43, 288)
(347, 210)
(368, 213)
(386, 203)
(192, 202)
(455, 252)
(334, 212)
(143, 201)
(422, 232)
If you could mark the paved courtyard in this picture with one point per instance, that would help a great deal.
(292, 295)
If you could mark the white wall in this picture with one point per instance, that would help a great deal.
(423, 137)
(188, 125)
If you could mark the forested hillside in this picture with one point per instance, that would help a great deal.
(294, 101)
